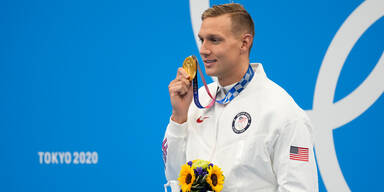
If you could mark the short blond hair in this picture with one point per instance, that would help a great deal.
(240, 18)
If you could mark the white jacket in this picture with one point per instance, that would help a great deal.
(258, 139)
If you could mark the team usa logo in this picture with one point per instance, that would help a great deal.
(241, 122)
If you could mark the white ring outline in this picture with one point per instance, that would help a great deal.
(327, 115)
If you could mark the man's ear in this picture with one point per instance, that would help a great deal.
(246, 42)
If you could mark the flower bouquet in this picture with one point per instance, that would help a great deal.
(200, 176)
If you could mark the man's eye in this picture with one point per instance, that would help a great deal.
(214, 40)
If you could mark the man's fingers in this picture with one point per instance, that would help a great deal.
(183, 81)
(178, 90)
(182, 74)
(180, 87)
(186, 82)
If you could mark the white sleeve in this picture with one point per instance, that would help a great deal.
(174, 149)
(293, 158)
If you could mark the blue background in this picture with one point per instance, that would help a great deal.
(93, 76)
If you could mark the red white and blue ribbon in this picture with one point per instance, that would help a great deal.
(231, 94)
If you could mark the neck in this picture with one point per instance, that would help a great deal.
(234, 75)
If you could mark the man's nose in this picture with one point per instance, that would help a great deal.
(204, 50)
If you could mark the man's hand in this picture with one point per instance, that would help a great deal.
(181, 93)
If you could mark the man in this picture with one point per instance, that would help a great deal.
(261, 139)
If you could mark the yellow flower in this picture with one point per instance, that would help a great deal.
(186, 178)
(215, 178)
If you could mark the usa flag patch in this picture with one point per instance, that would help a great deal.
(164, 148)
(298, 153)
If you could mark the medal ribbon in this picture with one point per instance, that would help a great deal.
(231, 94)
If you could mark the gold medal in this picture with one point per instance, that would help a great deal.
(189, 65)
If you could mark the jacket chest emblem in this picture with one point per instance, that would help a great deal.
(201, 119)
(241, 122)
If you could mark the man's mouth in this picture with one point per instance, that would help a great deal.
(209, 62)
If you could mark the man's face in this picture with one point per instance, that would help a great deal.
(220, 48)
